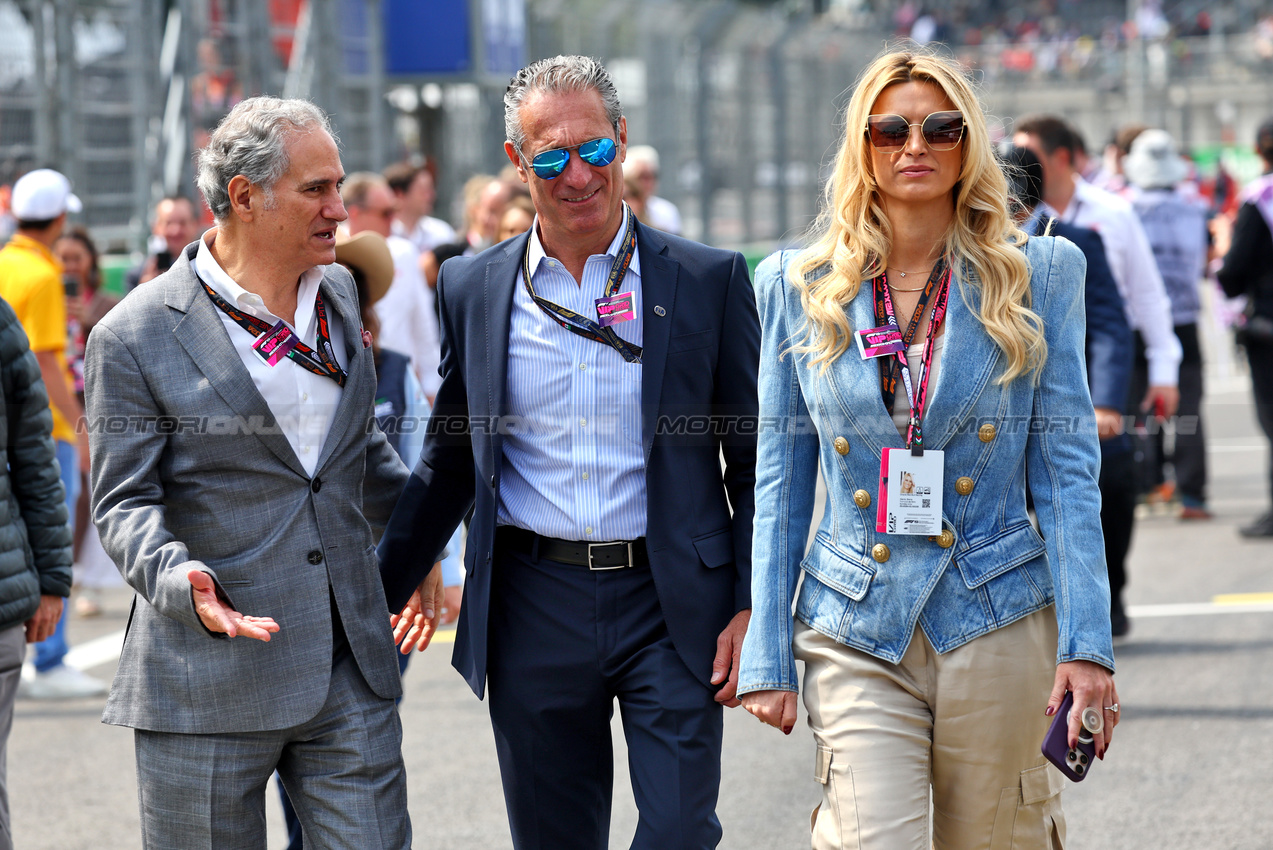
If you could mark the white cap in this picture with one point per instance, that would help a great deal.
(43, 195)
(1153, 162)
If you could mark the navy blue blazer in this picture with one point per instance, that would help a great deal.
(698, 397)
(1109, 336)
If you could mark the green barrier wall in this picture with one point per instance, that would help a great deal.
(114, 267)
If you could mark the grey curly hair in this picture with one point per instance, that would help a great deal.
(252, 141)
(558, 74)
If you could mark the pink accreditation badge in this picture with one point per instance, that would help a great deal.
(274, 344)
(877, 342)
(616, 308)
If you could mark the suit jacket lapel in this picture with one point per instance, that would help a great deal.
(659, 274)
(204, 338)
(353, 406)
(503, 276)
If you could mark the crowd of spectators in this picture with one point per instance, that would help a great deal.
(1079, 38)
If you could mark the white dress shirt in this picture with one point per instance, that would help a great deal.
(302, 402)
(1131, 260)
(408, 322)
(574, 463)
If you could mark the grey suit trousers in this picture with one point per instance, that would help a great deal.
(342, 769)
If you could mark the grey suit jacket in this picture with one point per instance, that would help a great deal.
(189, 470)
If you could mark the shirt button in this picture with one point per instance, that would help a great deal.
(304, 396)
(583, 423)
(304, 450)
(588, 530)
(583, 366)
(585, 476)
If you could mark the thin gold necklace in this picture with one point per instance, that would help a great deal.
(899, 289)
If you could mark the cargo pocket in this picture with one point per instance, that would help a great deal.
(827, 822)
(1029, 816)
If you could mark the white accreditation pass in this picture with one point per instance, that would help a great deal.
(911, 487)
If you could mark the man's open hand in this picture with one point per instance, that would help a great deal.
(216, 616)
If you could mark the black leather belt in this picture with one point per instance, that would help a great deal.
(595, 556)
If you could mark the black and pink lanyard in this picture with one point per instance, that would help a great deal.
(583, 325)
(938, 281)
(321, 362)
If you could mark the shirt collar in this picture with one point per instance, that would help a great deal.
(536, 252)
(207, 267)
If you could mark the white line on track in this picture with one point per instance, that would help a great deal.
(97, 651)
(1194, 609)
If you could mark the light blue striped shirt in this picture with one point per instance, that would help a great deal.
(574, 466)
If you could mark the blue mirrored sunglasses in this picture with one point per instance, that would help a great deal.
(550, 164)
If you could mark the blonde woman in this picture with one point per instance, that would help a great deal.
(939, 634)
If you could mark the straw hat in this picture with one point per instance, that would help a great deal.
(369, 253)
(1154, 162)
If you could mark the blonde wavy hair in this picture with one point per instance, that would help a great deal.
(853, 236)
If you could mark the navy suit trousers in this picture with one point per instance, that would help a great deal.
(565, 643)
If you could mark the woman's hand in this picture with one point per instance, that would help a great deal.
(777, 708)
(1093, 687)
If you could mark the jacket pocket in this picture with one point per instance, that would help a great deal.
(837, 569)
(715, 549)
(1008, 549)
(690, 341)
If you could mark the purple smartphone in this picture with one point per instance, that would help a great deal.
(1074, 763)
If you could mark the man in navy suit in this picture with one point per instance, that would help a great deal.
(1109, 336)
(1109, 366)
(594, 372)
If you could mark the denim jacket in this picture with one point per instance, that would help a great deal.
(996, 568)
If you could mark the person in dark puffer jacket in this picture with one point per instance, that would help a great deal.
(35, 539)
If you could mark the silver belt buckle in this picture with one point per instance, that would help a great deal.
(595, 568)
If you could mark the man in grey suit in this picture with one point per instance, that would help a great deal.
(235, 469)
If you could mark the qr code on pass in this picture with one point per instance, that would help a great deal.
(928, 503)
